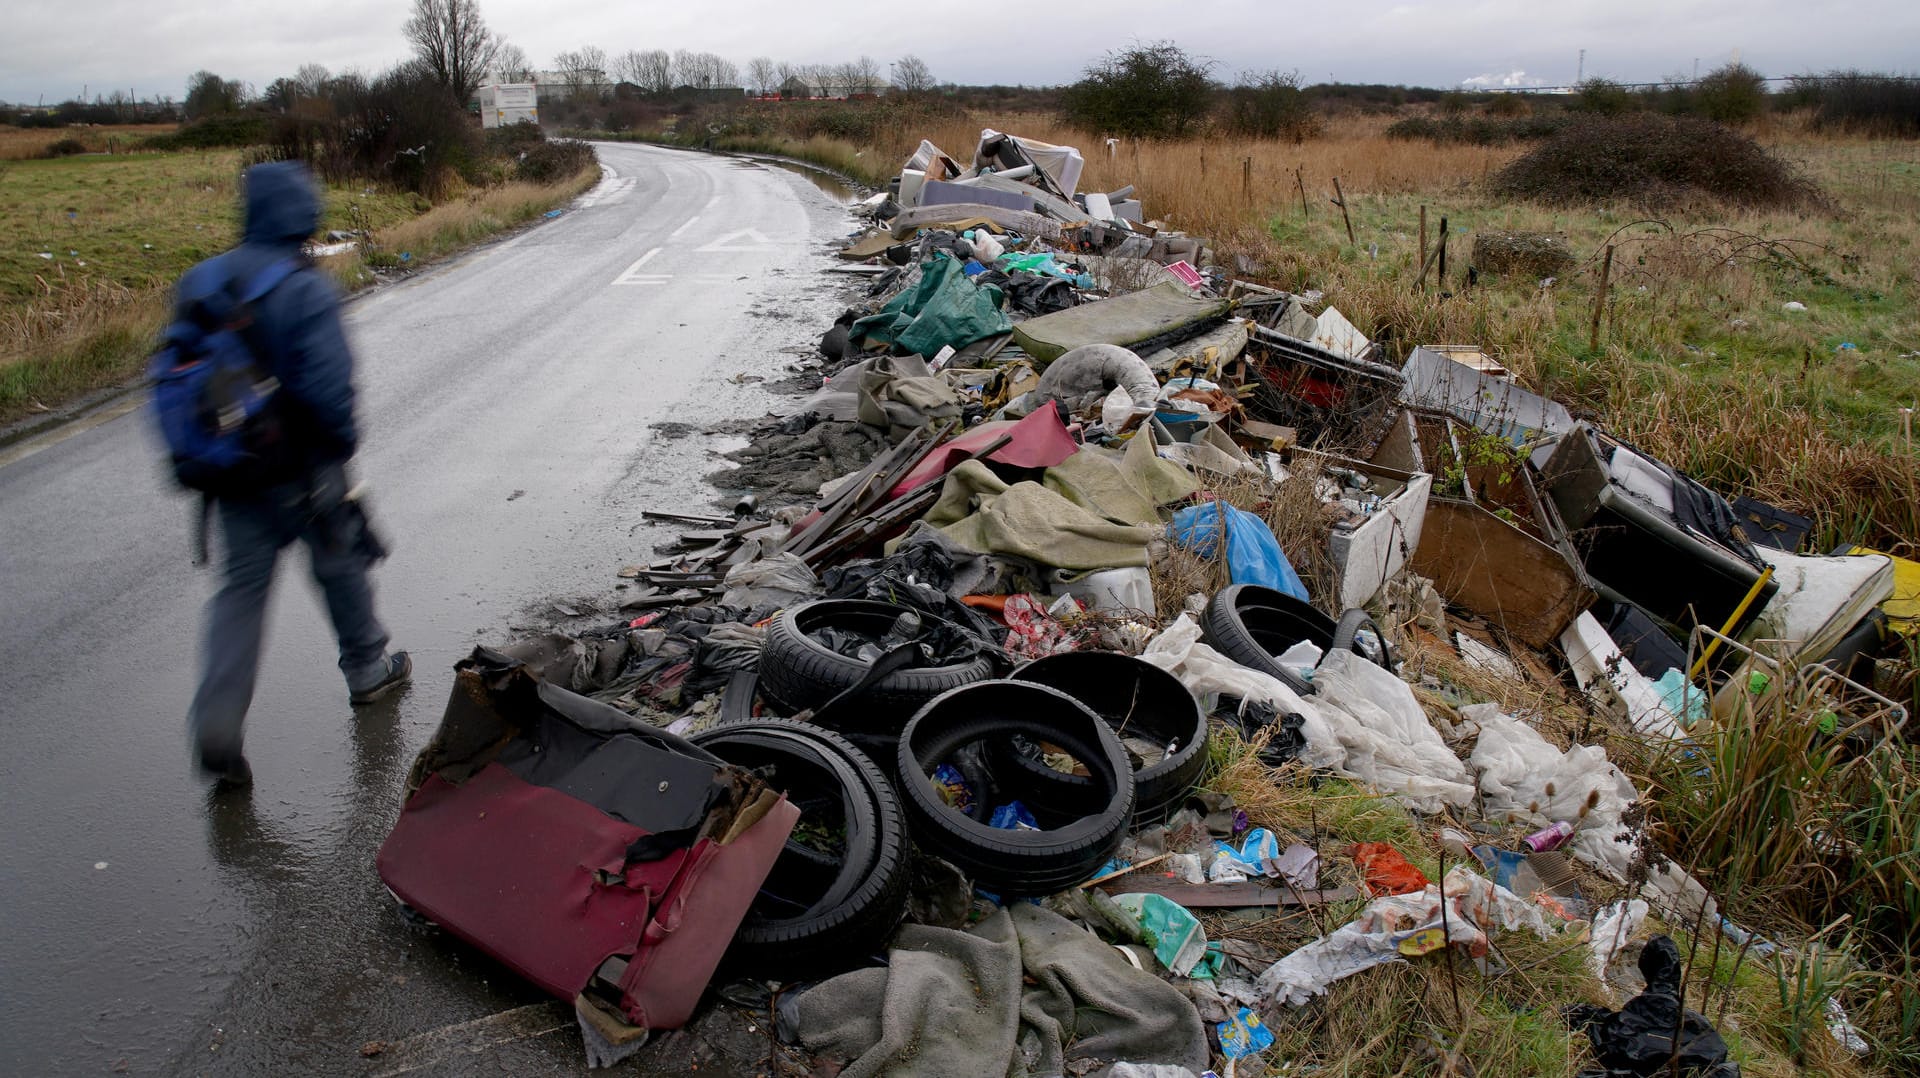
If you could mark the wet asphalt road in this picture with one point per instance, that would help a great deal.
(506, 401)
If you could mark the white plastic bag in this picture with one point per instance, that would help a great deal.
(1389, 742)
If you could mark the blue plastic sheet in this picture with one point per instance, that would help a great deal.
(1253, 554)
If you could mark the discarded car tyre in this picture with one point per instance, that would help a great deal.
(1346, 637)
(1253, 625)
(1140, 702)
(800, 672)
(1013, 863)
(820, 910)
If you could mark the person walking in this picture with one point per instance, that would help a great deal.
(292, 328)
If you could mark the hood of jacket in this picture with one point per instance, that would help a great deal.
(283, 203)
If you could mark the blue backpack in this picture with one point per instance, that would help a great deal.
(214, 390)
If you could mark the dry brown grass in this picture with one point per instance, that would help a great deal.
(26, 143)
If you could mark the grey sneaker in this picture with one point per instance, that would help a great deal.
(399, 671)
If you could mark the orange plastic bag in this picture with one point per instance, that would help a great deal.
(1386, 871)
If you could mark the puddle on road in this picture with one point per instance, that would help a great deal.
(835, 187)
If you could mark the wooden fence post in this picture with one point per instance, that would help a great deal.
(1600, 300)
(1340, 200)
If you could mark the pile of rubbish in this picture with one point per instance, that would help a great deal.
(924, 743)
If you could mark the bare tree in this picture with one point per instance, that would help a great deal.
(630, 66)
(582, 70)
(510, 64)
(311, 80)
(687, 67)
(911, 74)
(761, 75)
(846, 79)
(656, 71)
(822, 78)
(785, 73)
(452, 43)
(865, 76)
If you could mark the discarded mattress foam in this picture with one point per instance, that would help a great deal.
(604, 860)
(1162, 311)
(1820, 598)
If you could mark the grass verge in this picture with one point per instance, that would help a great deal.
(90, 247)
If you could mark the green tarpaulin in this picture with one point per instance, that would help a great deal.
(944, 307)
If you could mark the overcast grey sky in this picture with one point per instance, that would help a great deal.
(58, 49)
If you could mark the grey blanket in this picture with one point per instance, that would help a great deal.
(953, 1004)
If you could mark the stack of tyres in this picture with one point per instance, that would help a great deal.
(956, 730)
(1142, 704)
(839, 886)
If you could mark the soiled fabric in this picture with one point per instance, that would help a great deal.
(981, 512)
(1126, 488)
(952, 1004)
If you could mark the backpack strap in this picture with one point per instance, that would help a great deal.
(241, 318)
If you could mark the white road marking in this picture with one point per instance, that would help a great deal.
(690, 222)
(744, 240)
(633, 271)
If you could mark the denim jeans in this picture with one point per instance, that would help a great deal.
(254, 531)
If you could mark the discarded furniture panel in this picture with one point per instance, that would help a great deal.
(1606, 676)
(1464, 382)
(1486, 565)
(1333, 332)
(1333, 401)
(943, 193)
(1141, 321)
(1373, 546)
(606, 861)
(1649, 536)
(960, 215)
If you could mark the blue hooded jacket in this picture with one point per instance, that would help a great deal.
(300, 318)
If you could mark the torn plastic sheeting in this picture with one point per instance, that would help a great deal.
(1253, 555)
(1062, 164)
(1208, 674)
(1613, 929)
(1393, 927)
(772, 581)
(1389, 742)
(1524, 778)
(1038, 441)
